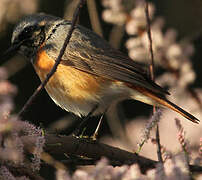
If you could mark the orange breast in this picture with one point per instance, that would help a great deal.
(68, 82)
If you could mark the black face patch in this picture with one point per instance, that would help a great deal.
(28, 36)
(29, 39)
(27, 32)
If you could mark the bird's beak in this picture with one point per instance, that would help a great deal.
(10, 52)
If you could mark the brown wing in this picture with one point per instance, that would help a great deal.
(90, 53)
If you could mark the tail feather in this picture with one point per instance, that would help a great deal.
(182, 112)
(163, 101)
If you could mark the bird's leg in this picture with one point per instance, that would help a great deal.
(95, 134)
(79, 129)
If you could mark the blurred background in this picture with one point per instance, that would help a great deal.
(177, 38)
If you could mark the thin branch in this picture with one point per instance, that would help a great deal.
(195, 96)
(53, 70)
(92, 149)
(151, 71)
(151, 66)
(88, 152)
(93, 13)
(24, 171)
(47, 158)
(116, 35)
(158, 144)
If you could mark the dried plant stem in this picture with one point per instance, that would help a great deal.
(47, 158)
(140, 146)
(182, 140)
(150, 124)
(94, 17)
(116, 36)
(151, 66)
(57, 62)
(151, 70)
(158, 144)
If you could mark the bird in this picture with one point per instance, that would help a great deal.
(91, 72)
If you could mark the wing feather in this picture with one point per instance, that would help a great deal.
(90, 53)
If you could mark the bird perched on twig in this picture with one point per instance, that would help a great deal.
(91, 73)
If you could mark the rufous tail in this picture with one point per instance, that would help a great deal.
(168, 104)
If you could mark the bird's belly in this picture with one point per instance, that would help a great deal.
(80, 93)
(73, 90)
(84, 101)
(66, 101)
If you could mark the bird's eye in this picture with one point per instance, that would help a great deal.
(30, 36)
(27, 32)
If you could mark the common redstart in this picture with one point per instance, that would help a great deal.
(91, 72)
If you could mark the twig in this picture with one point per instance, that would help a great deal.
(94, 17)
(53, 70)
(151, 66)
(195, 96)
(151, 71)
(158, 145)
(51, 161)
(147, 129)
(95, 134)
(24, 171)
(116, 36)
(70, 145)
(81, 161)
(80, 147)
